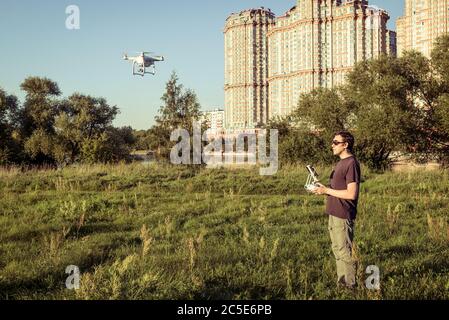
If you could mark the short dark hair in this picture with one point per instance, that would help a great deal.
(348, 138)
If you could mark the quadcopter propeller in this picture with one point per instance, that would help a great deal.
(144, 52)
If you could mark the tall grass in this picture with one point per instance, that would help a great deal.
(162, 232)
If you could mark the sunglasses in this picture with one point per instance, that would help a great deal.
(336, 142)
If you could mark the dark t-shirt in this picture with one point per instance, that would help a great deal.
(345, 172)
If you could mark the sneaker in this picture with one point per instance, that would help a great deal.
(341, 283)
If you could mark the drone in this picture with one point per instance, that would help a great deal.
(143, 61)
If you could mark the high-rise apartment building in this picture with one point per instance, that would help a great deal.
(214, 120)
(246, 73)
(270, 61)
(423, 21)
(392, 45)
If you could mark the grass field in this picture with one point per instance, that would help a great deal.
(160, 232)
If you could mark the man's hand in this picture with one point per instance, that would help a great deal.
(351, 193)
(320, 190)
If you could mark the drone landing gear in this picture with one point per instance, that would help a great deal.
(152, 71)
(140, 70)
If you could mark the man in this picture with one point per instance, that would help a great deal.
(341, 206)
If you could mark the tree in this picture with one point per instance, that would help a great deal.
(82, 120)
(325, 111)
(387, 103)
(143, 139)
(121, 141)
(180, 108)
(78, 128)
(392, 96)
(439, 127)
(440, 59)
(112, 145)
(37, 117)
(319, 115)
(440, 145)
(84, 132)
(55, 130)
(9, 146)
(297, 142)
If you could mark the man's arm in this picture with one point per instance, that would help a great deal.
(350, 193)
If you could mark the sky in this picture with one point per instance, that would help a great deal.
(34, 41)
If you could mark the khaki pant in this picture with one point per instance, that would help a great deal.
(342, 234)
